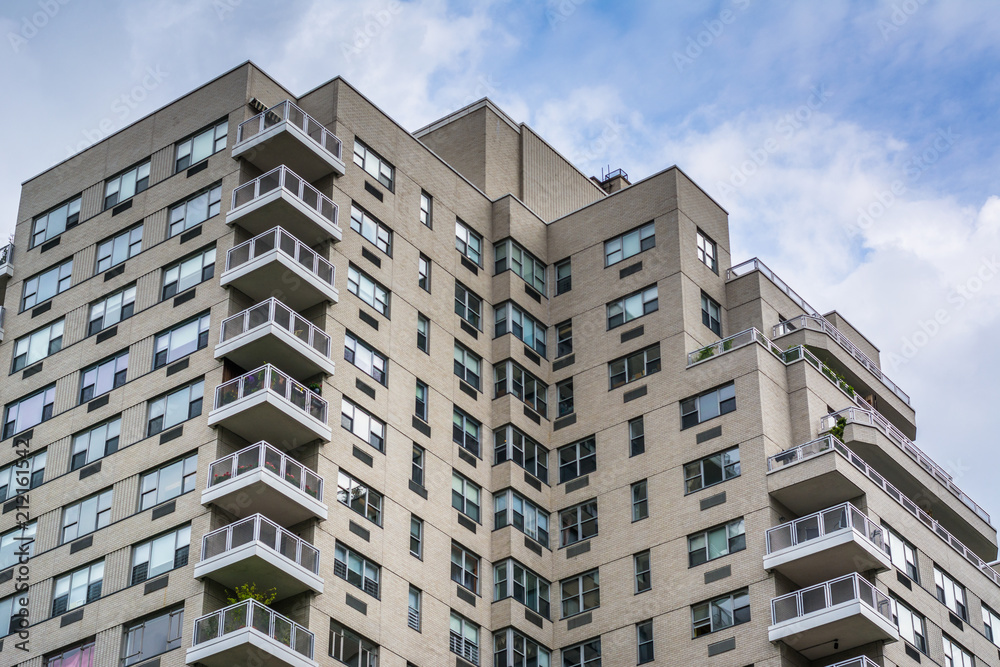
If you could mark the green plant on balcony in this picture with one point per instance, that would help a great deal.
(249, 592)
(229, 394)
(705, 353)
(316, 388)
(312, 492)
(219, 478)
(727, 345)
(838, 429)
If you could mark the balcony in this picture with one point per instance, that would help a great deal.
(6, 263)
(257, 550)
(281, 197)
(261, 480)
(250, 633)
(277, 264)
(285, 134)
(834, 616)
(829, 543)
(266, 404)
(272, 333)
(862, 661)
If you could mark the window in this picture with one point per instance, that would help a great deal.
(155, 635)
(86, 516)
(468, 242)
(581, 593)
(374, 165)
(464, 567)
(11, 615)
(36, 346)
(426, 208)
(81, 655)
(468, 365)
(54, 222)
(417, 537)
(509, 443)
(195, 210)
(564, 277)
(720, 613)
(632, 307)
(371, 229)
(168, 482)
(468, 305)
(181, 341)
(413, 609)
(902, 553)
(116, 250)
(463, 639)
(716, 542)
(356, 570)
(955, 655)
(707, 251)
(512, 649)
(365, 288)
(643, 582)
(29, 411)
(111, 310)
(911, 625)
(991, 622)
(511, 319)
(711, 404)
(711, 314)
(712, 470)
(365, 358)
(195, 149)
(45, 285)
(77, 588)
(564, 338)
(644, 640)
(950, 593)
(636, 437)
(510, 378)
(629, 244)
(511, 579)
(22, 475)
(126, 185)
(350, 648)
(511, 509)
(465, 431)
(16, 544)
(420, 407)
(424, 272)
(359, 497)
(577, 459)
(564, 397)
(103, 377)
(510, 255)
(586, 654)
(465, 496)
(188, 272)
(578, 523)
(174, 408)
(635, 366)
(161, 554)
(640, 501)
(417, 472)
(363, 424)
(423, 333)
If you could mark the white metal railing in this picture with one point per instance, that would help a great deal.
(814, 323)
(288, 111)
(281, 177)
(461, 646)
(862, 661)
(831, 520)
(755, 264)
(873, 418)
(255, 616)
(285, 243)
(260, 529)
(262, 456)
(734, 342)
(851, 587)
(274, 312)
(6, 254)
(269, 378)
(830, 442)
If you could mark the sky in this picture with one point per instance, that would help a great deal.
(854, 144)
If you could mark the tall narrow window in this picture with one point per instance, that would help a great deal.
(564, 338)
(463, 639)
(468, 305)
(413, 609)
(417, 471)
(416, 536)
(586, 654)
(564, 394)
(426, 205)
(643, 582)
(707, 251)
(466, 497)
(636, 437)
(640, 501)
(423, 333)
(644, 639)
(468, 242)
(424, 273)
(564, 277)
(466, 431)
(711, 314)
(420, 409)
(464, 567)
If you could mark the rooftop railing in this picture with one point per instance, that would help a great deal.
(263, 456)
(281, 177)
(849, 588)
(814, 526)
(287, 110)
(255, 616)
(274, 312)
(755, 264)
(280, 240)
(814, 323)
(6, 254)
(269, 378)
(873, 418)
(259, 528)
(862, 661)
(829, 442)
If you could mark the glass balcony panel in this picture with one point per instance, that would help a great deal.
(843, 591)
(242, 533)
(785, 608)
(215, 544)
(247, 460)
(813, 599)
(807, 529)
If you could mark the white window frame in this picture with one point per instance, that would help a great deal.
(509, 318)
(991, 625)
(708, 405)
(104, 376)
(345, 644)
(465, 567)
(426, 210)
(424, 272)
(469, 242)
(509, 377)
(703, 620)
(127, 184)
(174, 635)
(466, 496)
(159, 408)
(374, 165)
(951, 594)
(413, 606)
(584, 526)
(577, 459)
(633, 306)
(464, 638)
(59, 277)
(512, 509)
(621, 371)
(711, 314)
(707, 251)
(359, 497)
(39, 344)
(64, 216)
(416, 537)
(357, 570)
(468, 306)
(17, 542)
(152, 491)
(464, 358)
(167, 350)
(190, 148)
(194, 210)
(509, 255)
(512, 444)
(911, 624)
(177, 541)
(580, 593)
(111, 310)
(512, 579)
(421, 405)
(68, 586)
(119, 248)
(423, 333)
(176, 281)
(86, 516)
(728, 466)
(362, 423)
(629, 244)
(732, 532)
(371, 229)
(902, 553)
(12, 424)
(369, 290)
(30, 469)
(642, 566)
(955, 655)
(471, 431)
(366, 359)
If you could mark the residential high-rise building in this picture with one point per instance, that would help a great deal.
(572, 432)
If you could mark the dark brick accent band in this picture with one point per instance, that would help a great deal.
(634, 394)
(633, 333)
(6, 575)
(722, 647)
(156, 584)
(371, 257)
(532, 415)
(533, 545)
(712, 501)
(563, 422)
(705, 436)
(421, 426)
(903, 579)
(467, 457)
(528, 352)
(532, 292)
(470, 265)
(534, 618)
(373, 191)
(468, 389)
(579, 621)
(532, 481)
(360, 532)
(364, 388)
(356, 604)
(629, 270)
(81, 544)
(13, 504)
(578, 483)
(92, 469)
(363, 456)
(121, 208)
(98, 403)
(717, 574)
(115, 272)
(466, 522)
(190, 234)
(51, 244)
(469, 329)
(578, 549)
(70, 618)
(417, 489)
(172, 434)
(106, 334)
(184, 298)
(560, 364)
(164, 510)
(465, 595)
(368, 319)
(201, 166)
(178, 367)
(32, 370)
(44, 308)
